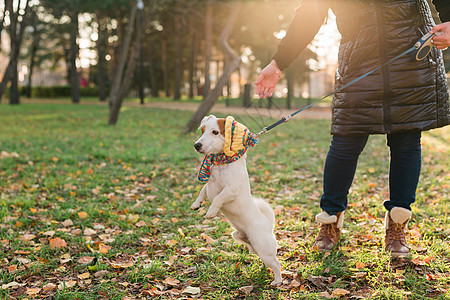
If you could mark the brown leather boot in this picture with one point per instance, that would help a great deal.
(330, 230)
(395, 225)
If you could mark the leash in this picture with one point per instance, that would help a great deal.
(421, 49)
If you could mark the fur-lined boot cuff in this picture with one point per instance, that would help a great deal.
(326, 218)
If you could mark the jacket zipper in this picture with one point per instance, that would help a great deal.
(384, 69)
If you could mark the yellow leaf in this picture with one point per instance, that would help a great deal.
(103, 248)
(360, 265)
(372, 170)
(82, 215)
(33, 210)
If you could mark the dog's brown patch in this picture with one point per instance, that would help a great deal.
(221, 123)
(203, 129)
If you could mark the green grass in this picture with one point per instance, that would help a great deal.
(136, 181)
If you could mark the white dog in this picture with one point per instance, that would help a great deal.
(228, 189)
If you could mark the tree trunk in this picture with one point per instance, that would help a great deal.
(232, 63)
(179, 54)
(34, 49)
(164, 67)
(101, 41)
(153, 82)
(192, 60)
(73, 54)
(115, 95)
(208, 45)
(16, 42)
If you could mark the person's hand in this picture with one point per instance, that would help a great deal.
(267, 80)
(442, 38)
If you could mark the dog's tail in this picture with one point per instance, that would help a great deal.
(265, 208)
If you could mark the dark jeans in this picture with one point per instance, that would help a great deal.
(340, 167)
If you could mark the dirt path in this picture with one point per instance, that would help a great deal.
(310, 113)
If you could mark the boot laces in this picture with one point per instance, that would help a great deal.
(328, 231)
(396, 232)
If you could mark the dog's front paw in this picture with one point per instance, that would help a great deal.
(195, 206)
(211, 213)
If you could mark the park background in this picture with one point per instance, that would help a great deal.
(93, 206)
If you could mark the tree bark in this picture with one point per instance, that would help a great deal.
(232, 63)
(73, 55)
(115, 95)
(101, 76)
(208, 45)
(34, 48)
(153, 81)
(16, 42)
(192, 60)
(179, 54)
(164, 64)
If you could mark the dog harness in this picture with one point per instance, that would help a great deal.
(236, 135)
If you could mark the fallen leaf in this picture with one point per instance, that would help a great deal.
(49, 233)
(57, 243)
(33, 291)
(340, 292)
(23, 260)
(88, 231)
(104, 248)
(49, 286)
(85, 260)
(360, 265)
(67, 223)
(140, 223)
(82, 215)
(84, 275)
(66, 284)
(27, 237)
(12, 284)
(171, 281)
(372, 170)
(121, 265)
(246, 289)
(192, 290)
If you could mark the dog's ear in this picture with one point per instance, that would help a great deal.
(202, 123)
(221, 123)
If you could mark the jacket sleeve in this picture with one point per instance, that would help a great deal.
(302, 29)
(443, 8)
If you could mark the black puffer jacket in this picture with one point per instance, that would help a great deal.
(404, 95)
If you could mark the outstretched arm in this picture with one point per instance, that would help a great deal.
(302, 29)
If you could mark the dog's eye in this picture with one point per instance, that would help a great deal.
(215, 132)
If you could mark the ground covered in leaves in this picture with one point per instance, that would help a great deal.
(89, 211)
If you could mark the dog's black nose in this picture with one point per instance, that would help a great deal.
(198, 146)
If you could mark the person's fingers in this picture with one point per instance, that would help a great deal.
(437, 28)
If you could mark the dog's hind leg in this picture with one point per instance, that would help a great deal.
(240, 237)
(266, 248)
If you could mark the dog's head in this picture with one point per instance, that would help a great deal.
(212, 140)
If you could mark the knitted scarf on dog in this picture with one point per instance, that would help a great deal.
(249, 140)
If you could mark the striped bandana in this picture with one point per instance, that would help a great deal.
(223, 159)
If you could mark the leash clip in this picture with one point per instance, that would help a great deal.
(262, 131)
